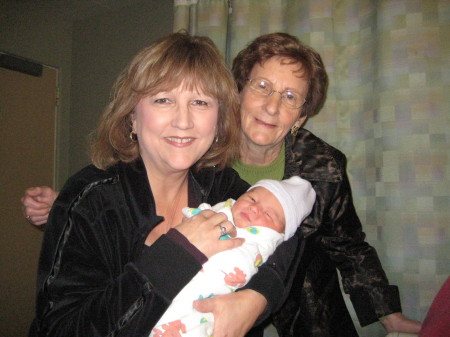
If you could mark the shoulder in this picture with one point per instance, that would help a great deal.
(85, 180)
(314, 158)
(74, 196)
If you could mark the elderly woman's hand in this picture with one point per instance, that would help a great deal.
(397, 322)
(36, 204)
(205, 229)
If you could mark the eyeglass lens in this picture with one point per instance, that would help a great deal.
(290, 98)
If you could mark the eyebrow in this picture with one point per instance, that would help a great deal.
(271, 82)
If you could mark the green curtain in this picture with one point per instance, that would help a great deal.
(388, 110)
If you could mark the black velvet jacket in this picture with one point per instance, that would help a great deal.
(330, 237)
(96, 276)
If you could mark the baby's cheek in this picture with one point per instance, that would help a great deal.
(279, 228)
(235, 213)
(238, 222)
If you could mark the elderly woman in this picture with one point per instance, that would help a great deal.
(283, 82)
(116, 251)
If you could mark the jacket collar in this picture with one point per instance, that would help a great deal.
(312, 159)
(200, 185)
(134, 180)
(139, 198)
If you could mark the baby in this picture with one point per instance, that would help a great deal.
(266, 215)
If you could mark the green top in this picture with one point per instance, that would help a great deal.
(252, 174)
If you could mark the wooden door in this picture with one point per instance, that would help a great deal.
(27, 154)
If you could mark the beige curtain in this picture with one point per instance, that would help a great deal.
(388, 110)
(208, 18)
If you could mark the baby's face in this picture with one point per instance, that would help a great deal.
(259, 207)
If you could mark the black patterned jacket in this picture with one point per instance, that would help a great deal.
(331, 237)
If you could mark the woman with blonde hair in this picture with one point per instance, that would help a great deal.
(116, 251)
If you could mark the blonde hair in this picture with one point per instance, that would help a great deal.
(162, 66)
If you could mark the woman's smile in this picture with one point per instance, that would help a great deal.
(180, 141)
(264, 124)
(175, 119)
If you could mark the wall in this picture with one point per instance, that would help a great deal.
(24, 33)
(88, 54)
(102, 47)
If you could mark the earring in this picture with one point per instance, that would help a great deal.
(217, 139)
(294, 129)
(133, 136)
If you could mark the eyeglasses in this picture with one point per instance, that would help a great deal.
(290, 98)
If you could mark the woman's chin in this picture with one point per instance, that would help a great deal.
(182, 164)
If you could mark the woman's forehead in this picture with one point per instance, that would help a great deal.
(191, 86)
(297, 67)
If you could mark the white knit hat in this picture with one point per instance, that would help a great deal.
(295, 195)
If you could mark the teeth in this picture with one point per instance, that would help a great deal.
(180, 140)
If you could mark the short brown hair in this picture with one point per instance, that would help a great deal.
(289, 47)
(162, 66)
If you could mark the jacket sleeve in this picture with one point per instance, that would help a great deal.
(97, 279)
(344, 242)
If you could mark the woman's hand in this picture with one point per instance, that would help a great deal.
(36, 204)
(397, 322)
(205, 229)
(234, 313)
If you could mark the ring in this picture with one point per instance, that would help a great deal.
(28, 218)
(223, 231)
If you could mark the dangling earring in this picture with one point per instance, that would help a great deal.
(216, 139)
(133, 136)
(294, 129)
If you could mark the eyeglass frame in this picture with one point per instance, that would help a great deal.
(250, 80)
